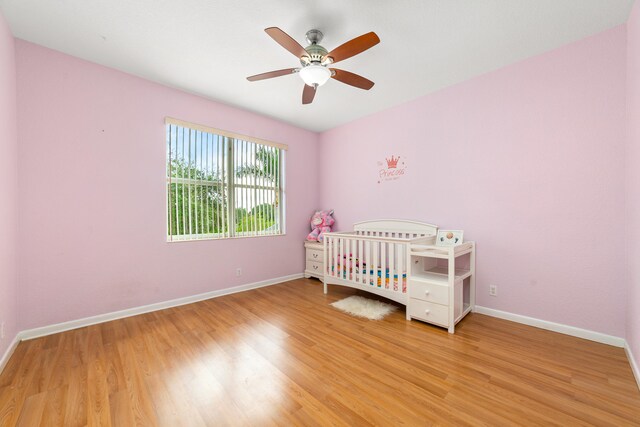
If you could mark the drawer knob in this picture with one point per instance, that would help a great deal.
(427, 311)
(426, 292)
(315, 267)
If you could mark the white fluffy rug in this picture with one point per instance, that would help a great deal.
(364, 307)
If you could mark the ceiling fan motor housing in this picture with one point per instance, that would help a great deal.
(316, 53)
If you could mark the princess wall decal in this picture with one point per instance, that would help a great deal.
(391, 169)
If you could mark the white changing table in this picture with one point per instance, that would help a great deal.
(441, 295)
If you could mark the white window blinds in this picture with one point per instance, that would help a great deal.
(222, 185)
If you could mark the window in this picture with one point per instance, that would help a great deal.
(222, 185)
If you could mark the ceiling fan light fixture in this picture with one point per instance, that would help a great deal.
(314, 60)
(315, 74)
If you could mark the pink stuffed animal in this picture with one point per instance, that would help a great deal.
(321, 223)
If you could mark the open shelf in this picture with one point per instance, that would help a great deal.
(440, 275)
(465, 311)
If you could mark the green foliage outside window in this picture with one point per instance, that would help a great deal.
(198, 198)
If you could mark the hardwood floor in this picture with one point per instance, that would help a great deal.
(282, 356)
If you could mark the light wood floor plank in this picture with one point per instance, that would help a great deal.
(281, 355)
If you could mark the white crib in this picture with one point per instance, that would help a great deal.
(375, 257)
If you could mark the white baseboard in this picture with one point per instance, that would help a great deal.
(7, 354)
(632, 362)
(555, 327)
(87, 321)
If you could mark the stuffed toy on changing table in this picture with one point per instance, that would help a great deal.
(321, 223)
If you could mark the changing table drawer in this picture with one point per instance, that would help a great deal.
(429, 292)
(429, 312)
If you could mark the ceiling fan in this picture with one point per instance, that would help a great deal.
(315, 59)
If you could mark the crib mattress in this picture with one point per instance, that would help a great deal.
(375, 278)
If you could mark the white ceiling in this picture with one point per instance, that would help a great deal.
(208, 47)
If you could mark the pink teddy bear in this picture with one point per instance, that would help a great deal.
(321, 223)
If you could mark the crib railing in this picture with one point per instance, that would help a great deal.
(366, 259)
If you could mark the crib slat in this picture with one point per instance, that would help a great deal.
(335, 257)
(360, 261)
(338, 262)
(354, 245)
(392, 266)
(329, 257)
(375, 261)
(355, 260)
(383, 264)
(344, 248)
(347, 252)
(342, 258)
(367, 261)
(345, 259)
(400, 267)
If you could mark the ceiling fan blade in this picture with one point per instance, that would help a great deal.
(272, 74)
(352, 47)
(308, 94)
(352, 79)
(286, 41)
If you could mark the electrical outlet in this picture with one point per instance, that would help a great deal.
(493, 290)
(2, 331)
(238, 272)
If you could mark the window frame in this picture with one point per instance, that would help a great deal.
(229, 183)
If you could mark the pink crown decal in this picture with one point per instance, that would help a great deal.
(392, 163)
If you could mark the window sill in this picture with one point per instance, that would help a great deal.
(208, 239)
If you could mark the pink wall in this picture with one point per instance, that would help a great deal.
(531, 152)
(92, 193)
(9, 180)
(633, 181)
(528, 160)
